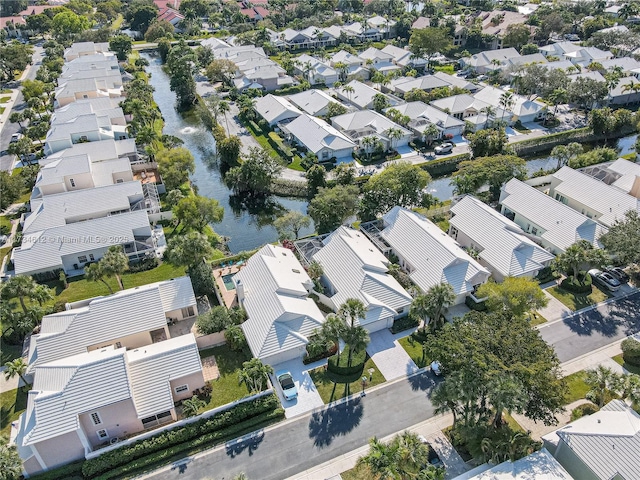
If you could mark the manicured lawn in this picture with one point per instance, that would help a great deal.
(226, 388)
(80, 289)
(631, 368)
(577, 387)
(536, 319)
(4, 99)
(5, 90)
(117, 23)
(359, 472)
(2, 109)
(14, 402)
(444, 68)
(513, 425)
(295, 165)
(576, 301)
(5, 223)
(330, 391)
(414, 349)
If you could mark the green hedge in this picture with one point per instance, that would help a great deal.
(278, 144)
(404, 323)
(444, 166)
(203, 428)
(206, 440)
(546, 275)
(73, 471)
(357, 363)
(473, 305)
(631, 351)
(580, 285)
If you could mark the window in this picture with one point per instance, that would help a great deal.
(182, 388)
(91, 257)
(187, 312)
(120, 180)
(84, 138)
(118, 345)
(534, 231)
(102, 434)
(95, 418)
(454, 233)
(72, 182)
(85, 96)
(82, 259)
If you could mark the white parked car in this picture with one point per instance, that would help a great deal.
(444, 148)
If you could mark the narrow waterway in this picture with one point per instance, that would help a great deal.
(247, 226)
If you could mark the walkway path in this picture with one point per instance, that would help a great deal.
(453, 462)
(555, 309)
(391, 359)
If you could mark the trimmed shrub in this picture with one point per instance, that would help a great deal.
(444, 166)
(72, 471)
(325, 354)
(201, 431)
(546, 275)
(580, 285)
(404, 323)
(473, 305)
(583, 410)
(631, 351)
(357, 363)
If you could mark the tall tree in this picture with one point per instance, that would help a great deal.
(289, 225)
(121, 45)
(115, 262)
(175, 166)
(16, 367)
(95, 273)
(515, 295)
(400, 184)
(332, 206)
(623, 238)
(22, 287)
(195, 212)
(316, 178)
(579, 256)
(10, 461)
(494, 171)
(188, 250)
(484, 143)
(427, 42)
(255, 174)
(254, 375)
(432, 305)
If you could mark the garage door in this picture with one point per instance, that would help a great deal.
(379, 325)
(283, 356)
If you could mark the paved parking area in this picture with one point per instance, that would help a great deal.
(391, 359)
(308, 396)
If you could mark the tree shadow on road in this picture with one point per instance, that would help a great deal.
(423, 381)
(622, 313)
(332, 422)
(250, 443)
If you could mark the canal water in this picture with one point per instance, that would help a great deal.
(248, 226)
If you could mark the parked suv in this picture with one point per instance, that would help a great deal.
(445, 148)
(618, 273)
(605, 280)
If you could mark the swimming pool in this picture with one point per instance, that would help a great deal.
(228, 281)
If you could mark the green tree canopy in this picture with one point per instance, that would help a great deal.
(24, 287)
(332, 206)
(515, 295)
(195, 212)
(582, 255)
(487, 142)
(426, 42)
(290, 224)
(494, 171)
(121, 45)
(254, 375)
(66, 24)
(623, 238)
(175, 166)
(399, 184)
(255, 173)
(229, 150)
(433, 304)
(316, 178)
(481, 347)
(516, 35)
(114, 263)
(189, 250)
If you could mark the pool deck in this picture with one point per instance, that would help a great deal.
(228, 296)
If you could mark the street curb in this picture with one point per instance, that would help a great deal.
(591, 353)
(589, 308)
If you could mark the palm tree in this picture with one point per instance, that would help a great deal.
(22, 286)
(348, 89)
(630, 87)
(506, 102)
(557, 98)
(599, 380)
(351, 310)
(17, 117)
(433, 304)
(234, 336)
(315, 270)
(191, 407)
(255, 374)
(431, 133)
(94, 273)
(16, 367)
(490, 112)
(357, 339)
(394, 135)
(342, 69)
(445, 398)
(223, 108)
(368, 144)
(332, 330)
(115, 262)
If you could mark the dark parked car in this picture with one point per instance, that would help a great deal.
(619, 273)
(434, 459)
(604, 280)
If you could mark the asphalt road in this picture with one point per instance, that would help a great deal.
(313, 439)
(8, 129)
(585, 332)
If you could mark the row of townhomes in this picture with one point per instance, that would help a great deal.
(106, 368)
(92, 191)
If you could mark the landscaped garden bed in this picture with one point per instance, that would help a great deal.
(576, 301)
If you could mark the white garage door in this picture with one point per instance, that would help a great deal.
(379, 325)
(283, 356)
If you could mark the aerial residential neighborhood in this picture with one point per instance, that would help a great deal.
(319, 240)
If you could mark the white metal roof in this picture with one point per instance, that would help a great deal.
(97, 151)
(107, 105)
(562, 225)
(357, 269)
(79, 205)
(434, 256)
(275, 109)
(367, 119)
(607, 442)
(312, 101)
(281, 316)
(611, 202)
(71, 386)
(362, 94)
(151, 368)
(539, 465)
(44, 249)
(103, 319)
(502, 243)
(317, 134)
(420, 110)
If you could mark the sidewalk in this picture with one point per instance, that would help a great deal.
(555, 309)
(8, 107)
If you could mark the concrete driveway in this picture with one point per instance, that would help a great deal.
(308, 396)
(391, 359)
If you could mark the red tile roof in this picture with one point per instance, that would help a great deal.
(36, 9)
(14, 20)
(248, 12)
(263, 12)
(162, 4)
